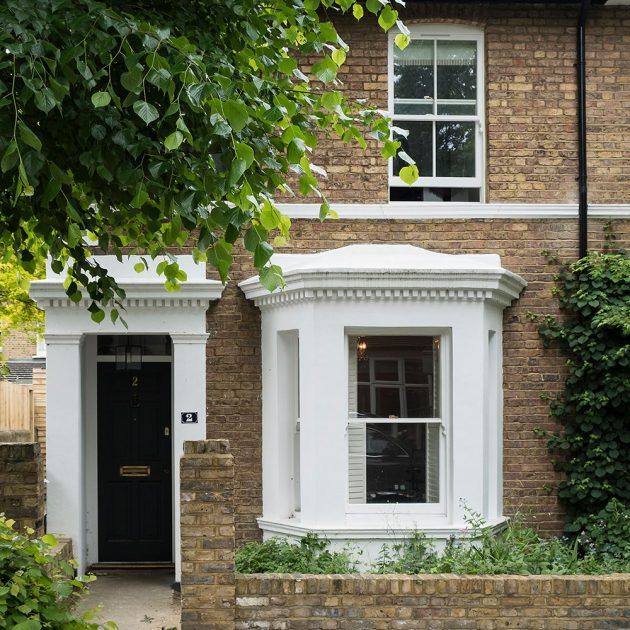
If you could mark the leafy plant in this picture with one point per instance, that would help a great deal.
(36, 586)
(594, 445)
(516, 550)
(148, 125)
(276, 555)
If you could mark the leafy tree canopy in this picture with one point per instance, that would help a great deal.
(141, 125)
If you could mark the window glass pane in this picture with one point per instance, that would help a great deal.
(387, 401)
(393, 463)
(453, 109)
(418, 144)
(149, 345)
(413, 78)
(456, 70)
(418, 401)
(412, 193)
(455, 150)
(385, 370)
(401, 378)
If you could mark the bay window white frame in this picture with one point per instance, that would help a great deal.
(434, 509)
(445, 32)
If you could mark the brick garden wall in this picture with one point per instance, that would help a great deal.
(214, 598)
(233, 355)
(22, 492)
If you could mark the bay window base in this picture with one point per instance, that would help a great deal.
(365, 541)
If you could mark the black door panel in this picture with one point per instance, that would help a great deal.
(134, 463)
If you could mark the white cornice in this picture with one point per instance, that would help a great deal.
(387, 272)
(500, 287)
(148, 294)
(419, 211)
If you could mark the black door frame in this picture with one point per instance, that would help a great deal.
(97, 487)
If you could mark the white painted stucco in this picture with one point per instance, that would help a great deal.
(71, 385)
(380, 289)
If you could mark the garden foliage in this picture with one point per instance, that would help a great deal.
(593, 446)
(36, 588)
(150, 124)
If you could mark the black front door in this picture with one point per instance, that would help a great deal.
(134, 463)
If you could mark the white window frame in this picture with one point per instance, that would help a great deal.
(448, 32)
(444, 421)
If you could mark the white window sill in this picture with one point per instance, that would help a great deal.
(436, 528)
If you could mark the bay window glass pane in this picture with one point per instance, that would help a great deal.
(413, 78)
(386, 402)
(418, 144)
(385, 370)
(394, 376)
(394, 463)
(456, 70)
(455, 149)
(418, 402)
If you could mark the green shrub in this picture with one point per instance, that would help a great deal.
(593, 446)
(515, 550)
(36, 588)
(608, 532)
(310, 555)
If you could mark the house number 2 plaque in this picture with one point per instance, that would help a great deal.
(189, 417)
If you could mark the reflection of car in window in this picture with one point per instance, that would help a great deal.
(395, 474)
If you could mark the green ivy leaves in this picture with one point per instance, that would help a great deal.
(594, 294)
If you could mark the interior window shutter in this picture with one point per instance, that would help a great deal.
(433, 463)
(356, 433)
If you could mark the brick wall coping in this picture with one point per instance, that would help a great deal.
(412, 210)
(363, 584)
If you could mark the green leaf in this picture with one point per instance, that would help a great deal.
(10, 157)
(271, 277)
(262, 254)
(338, 56)
(146, 111)
(29, 624)
(236, 115)
(49, 539)
(29, 137)
(132, 80)
(325, 70)
(74, 234)
(45, 100)
(402, 41)
(98, 316)
(409, 174)
(101, 99)
(245, 152)
(140, 198)
(357, 11)
(172, 141)
(237, 168)
(139, 267)
(387, 18)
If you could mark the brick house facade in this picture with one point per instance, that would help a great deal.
(529, 195)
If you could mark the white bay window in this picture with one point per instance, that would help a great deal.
(436, 102)
(397, 385)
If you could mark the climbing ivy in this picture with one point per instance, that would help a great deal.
(594, 442)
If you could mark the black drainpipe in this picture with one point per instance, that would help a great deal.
(582, 169)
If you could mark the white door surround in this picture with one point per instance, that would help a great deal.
(71, 385)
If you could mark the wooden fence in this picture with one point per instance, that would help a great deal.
(17, 408)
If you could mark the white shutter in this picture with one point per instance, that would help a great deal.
(356, 433)
(433, 463)
(356, 462)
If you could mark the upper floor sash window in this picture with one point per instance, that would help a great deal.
(436, 102)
